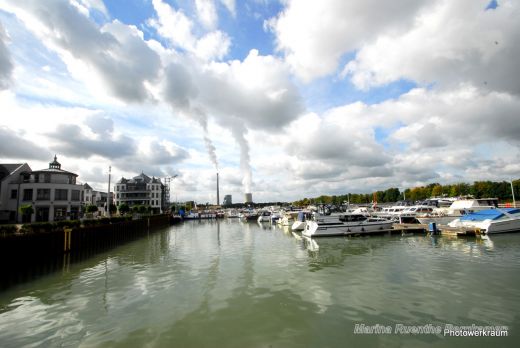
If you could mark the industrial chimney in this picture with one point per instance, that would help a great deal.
(218, 192)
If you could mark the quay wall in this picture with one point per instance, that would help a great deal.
(25, 256)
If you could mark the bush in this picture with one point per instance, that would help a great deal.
(104, 221)
(7, 229)
(91, 208)
(119, 219)
(90, 222)
(68, 223)
(38, 227)
(123, 208)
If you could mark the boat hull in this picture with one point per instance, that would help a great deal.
(298, 226)
(329, 229)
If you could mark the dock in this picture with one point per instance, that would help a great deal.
(441, 229)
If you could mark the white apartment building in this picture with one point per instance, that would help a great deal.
(141, 190)
(10, 174)
(97, 198)
(53, 193)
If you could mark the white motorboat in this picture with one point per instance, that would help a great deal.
(288, 218)
(409, 214)
(491, 221)
(301, 220)
(339, 228)
(460, 207)
(264, 216)
(393, 211)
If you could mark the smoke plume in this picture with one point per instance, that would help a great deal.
(239, 130)
(203, 121)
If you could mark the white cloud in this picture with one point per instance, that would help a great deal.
(207, 13)
(453, 43)
(314, 35)
(6, 64)
(214, 45)
(175, 26)
(89, 49)
(231, 6)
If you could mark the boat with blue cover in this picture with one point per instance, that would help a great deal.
(489, 221)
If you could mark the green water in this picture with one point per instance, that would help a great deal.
(233, 284)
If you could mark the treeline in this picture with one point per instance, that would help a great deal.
(479, 189)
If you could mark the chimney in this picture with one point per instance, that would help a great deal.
(218, 192)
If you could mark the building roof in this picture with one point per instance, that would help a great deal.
(87, 186)
(54, 167)
(141, 178)
(7, 169)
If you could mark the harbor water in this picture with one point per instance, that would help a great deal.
(233, 284)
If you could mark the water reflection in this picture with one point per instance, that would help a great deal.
(222, 283)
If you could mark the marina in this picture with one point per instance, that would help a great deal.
(231, 283)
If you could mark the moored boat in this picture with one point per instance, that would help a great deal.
(301, 220)
(340, 228)
(264, 216)
(459, 207)
(490, 221)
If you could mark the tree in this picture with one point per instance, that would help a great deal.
(91, 208)
(142, 209)
(123, 208)
(437, 191)
(27, 210)
(112, 208)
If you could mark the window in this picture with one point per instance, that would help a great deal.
(47, 177)
(74, 195)
(28, 194)
(61, 194)
(26, 177)
(43, 194)
(14, 194)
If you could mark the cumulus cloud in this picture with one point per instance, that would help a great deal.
(16, 145)
(86, 6)
(315, 35)
(230, 5)
(453, 43)
(6, 64)
(255, 93)
(258, 90)
(329, 146)
(116, 52)
(178, 29)
(72, 141)
(207, 13)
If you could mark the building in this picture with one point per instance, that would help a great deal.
(52, 192)
(97, 198)
(227, 201)
(10, 174)
(248, 198)
(88, 193)
(141, 190)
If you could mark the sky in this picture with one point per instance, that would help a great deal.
(285, 99)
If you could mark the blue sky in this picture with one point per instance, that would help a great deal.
(286, 99)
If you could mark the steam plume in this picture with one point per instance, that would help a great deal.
(203, 121)
(238, 130)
